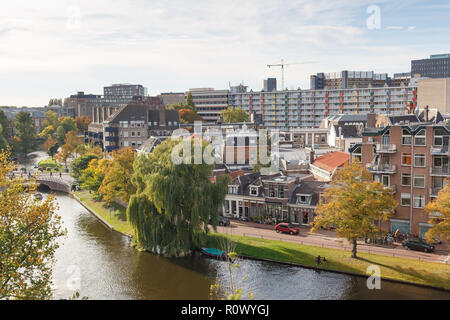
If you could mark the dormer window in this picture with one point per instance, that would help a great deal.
(303, 199)
(254, 190)
(232, 189)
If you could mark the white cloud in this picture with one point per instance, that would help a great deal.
(54, 48)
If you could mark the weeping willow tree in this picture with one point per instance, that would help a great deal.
(173, 203)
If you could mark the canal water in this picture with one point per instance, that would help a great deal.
(100, 264)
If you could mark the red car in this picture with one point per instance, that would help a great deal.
(286, 228)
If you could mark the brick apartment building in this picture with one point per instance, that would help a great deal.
(413, 160)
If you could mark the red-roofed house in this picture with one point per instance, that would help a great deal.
(233, 175)
(324, 167)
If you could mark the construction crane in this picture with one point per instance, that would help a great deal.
(282, 65)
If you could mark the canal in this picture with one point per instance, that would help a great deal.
(102, 265)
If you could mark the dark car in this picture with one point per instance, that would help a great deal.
(286, 228)
(418, 245)
(223, 221)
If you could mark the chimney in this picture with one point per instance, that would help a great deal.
(311, 155)
(162, 116)
(371, 120)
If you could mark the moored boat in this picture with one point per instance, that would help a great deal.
(214, 253)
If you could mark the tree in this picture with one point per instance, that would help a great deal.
(190, 102)
(83, 123)
(353, 203)
(117, 183)
(3, 142)
(439, 216)
(51, 119)
(188, 116)
(92, 177)
(80, 163)
(6, 125)
(25, 139)
(48, 131)
(29, 230)
(51, 146)
(234, 115)
(173, 203)
(66, 124)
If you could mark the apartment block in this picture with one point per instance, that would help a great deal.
(437, 66)
(307, 108)
(131, 126)
(209, 102)
(412, 159)
(350, 79)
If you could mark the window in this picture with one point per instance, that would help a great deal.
(419, 138)
(419, 160)
(406, 179)
(419, 181)
(406, 137)
(419, 201)
(406, 199)
(125, 134)
(385, 180)
(254, 191)
(437, 162)
(406, 159)
(132, 133)
(281, 191)
(439, 134)
(232, 189)
(271, 191)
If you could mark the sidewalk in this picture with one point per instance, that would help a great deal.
(327, 239)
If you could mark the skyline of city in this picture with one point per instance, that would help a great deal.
(79, 46)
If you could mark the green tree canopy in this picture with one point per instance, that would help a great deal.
(81, 163)
(173, 204)
(66, 124)
(234, 115)
(6, 125)
(25, 138)
(352, 204)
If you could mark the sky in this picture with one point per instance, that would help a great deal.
(52, 49)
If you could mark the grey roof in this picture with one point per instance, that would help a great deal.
(150, 144)
(403, 118)
(309, 187)
(129, 112)
(349, 131)
(352, 118)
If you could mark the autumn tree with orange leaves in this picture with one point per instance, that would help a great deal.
(353, 203)
(29, 230)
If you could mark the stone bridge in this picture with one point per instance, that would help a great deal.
(54, 182)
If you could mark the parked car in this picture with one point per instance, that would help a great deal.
(418, 245)
(223, 221)
(286, 228)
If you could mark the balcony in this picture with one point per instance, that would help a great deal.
(112, 138)
(111, 129)
(434, 192)
(386, 148)
(382, 168)
(392, 187)
(440, 151)
(440, 172)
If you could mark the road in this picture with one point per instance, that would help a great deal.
(328, 239)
